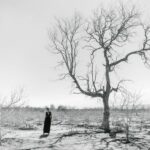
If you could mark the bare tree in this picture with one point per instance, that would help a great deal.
(15, 99)
(130, 104)
(104, 36)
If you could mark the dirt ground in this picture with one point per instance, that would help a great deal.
(73, 130)
(81, 138)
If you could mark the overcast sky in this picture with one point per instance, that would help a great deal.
(25, 61)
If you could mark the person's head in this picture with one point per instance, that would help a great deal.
(47, 109)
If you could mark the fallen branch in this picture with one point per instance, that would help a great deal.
(58, 123)
(72, 133)
(68, 134)
(124, 141)
(87, 126)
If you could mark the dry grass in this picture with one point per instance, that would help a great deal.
(73, 126)
(17, 117)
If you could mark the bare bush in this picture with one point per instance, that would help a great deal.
(62, 108)
(7, 104)
(130, 103)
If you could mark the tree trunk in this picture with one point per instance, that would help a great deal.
(106, 114)
(127, 133)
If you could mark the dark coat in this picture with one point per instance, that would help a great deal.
(47, 122)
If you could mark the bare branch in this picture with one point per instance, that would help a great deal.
(88, 93)
(16, 98)
(143, 52)
(65, 42)
(119, 87)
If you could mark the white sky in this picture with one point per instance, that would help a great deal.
(25, 61)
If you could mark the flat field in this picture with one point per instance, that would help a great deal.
(73, 129)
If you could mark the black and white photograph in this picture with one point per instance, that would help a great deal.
(74, 75)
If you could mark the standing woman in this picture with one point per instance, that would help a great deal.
(47, 121)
